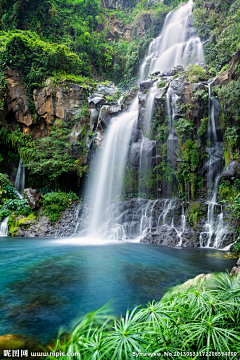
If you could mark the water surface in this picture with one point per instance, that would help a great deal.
(46, 283)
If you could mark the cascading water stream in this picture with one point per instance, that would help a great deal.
(20, 179)
(107, 184)
(4, 227)
(214, 228)
(176, 45)
(183, 226)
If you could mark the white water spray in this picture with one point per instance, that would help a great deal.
(4, 227)
(214, 229)
(176, 45)
(108, 180)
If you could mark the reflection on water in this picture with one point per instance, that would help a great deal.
(46, 284)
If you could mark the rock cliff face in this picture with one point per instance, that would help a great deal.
(52, 103)
(17, 101)
(229, 74)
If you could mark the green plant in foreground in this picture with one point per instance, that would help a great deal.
(199, 316)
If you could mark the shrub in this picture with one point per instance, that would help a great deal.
(203, 128)
(4, 181)
(4, 213)
(20, 206)
(56, 202)
(195, 73)
(11, 192)
(161, 84)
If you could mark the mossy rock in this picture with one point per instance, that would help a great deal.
(16, 342)
(16, 222)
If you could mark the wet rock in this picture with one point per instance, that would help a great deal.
(210, 5)
(145, 148)
(42, 226)
(158, 99)
(213, 166)
(137, 135)
(232, 169)
(33, 197)
(106, 113)
(171, 72)
(217, 111)
(96, 101)
(108, 89)
(145, 85)
(134, 154)
(93, 118)
(166, 236)
(236, 269)
(142, 98)
(230, 73)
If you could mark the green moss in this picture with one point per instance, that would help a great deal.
(203, 128)
(195, 73)
(193, 218)
(161, 84)
(224, 68)
(227, 156)
(195, 211)
(14, 223)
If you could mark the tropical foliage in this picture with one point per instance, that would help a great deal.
(200, 317)
(56, 202)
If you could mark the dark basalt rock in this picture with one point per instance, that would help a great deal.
(232, 169)
(134, 154)
(96, 101)
(106, 113)
(142, 99)
(236, 269)
(43, 228)
(217, 111)
(148, 149)
(137, 135)
(175, 70)
(210, 5)
(144, 85)
(213, 166)
(108, 90)
(93, 118)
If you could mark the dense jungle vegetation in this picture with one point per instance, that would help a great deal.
(76, 41)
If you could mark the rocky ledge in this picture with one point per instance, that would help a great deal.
(42, 227)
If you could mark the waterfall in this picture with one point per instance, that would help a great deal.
(4, 227)
(106, 184)
(176, 45)
(183, 226)
(214, 228)
(20, 179)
